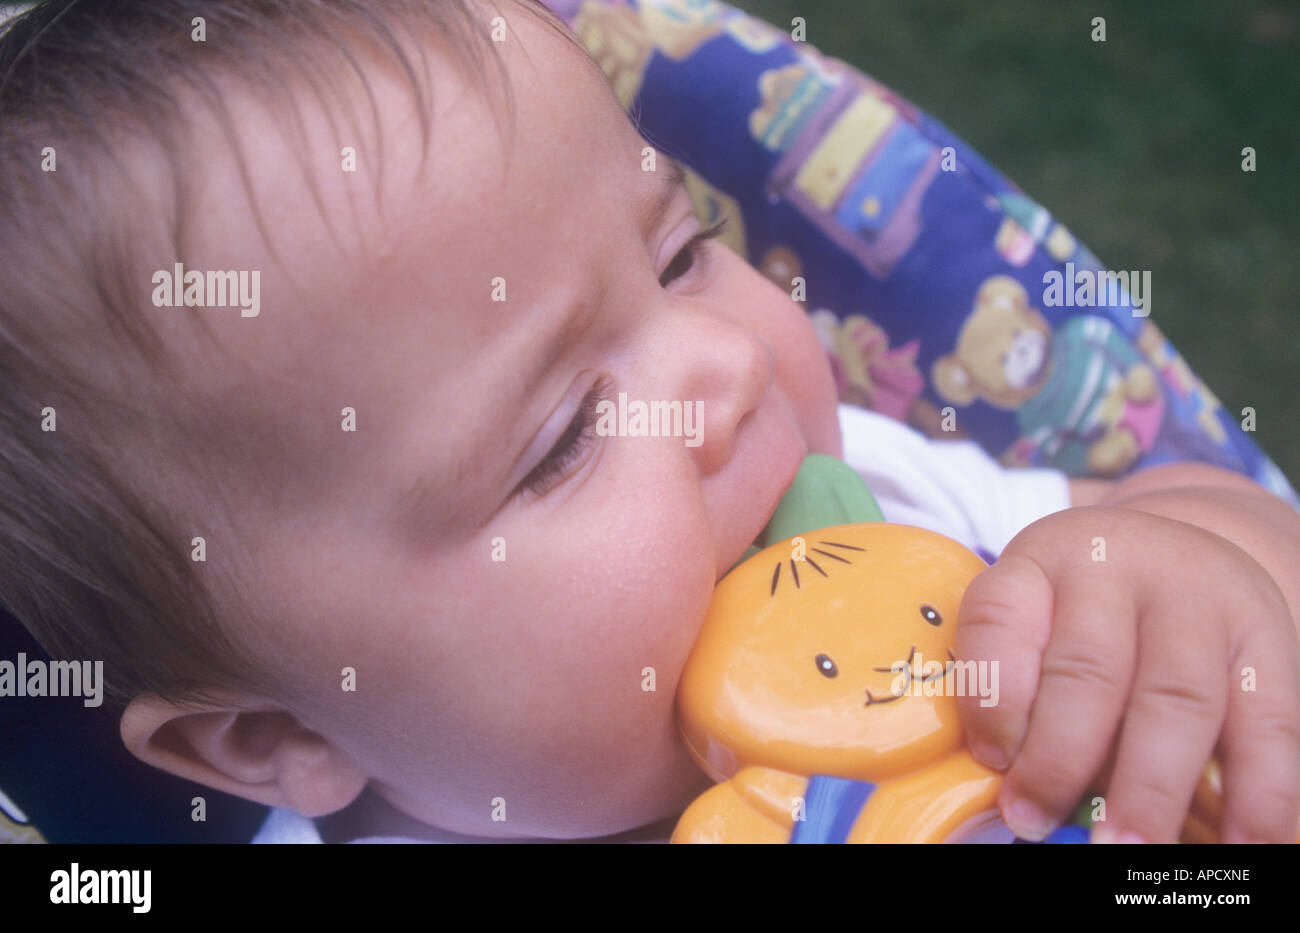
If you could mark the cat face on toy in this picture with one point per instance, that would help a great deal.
(837, 664)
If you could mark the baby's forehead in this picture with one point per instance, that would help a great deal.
(382, 155)
(378, 244)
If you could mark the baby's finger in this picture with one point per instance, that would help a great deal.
(1174, 718)
(1261, 741)
(1005, 617)
(1086, 673)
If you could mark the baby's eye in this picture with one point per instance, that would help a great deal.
(693, 251)
(826, 665)
(931, 615)
(570, 445)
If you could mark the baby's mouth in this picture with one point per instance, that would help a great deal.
(825, 491)
(750, 551)
(764, 537)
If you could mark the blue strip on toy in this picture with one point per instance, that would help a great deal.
(831, 806)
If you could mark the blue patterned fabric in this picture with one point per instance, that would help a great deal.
(928, 275)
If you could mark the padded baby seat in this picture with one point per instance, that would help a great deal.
(924, 272)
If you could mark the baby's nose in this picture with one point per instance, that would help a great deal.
(730, 372)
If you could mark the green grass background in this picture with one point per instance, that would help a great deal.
(1135, 145)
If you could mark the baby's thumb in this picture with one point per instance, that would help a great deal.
(1002, 628)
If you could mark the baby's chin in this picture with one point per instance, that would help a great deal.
(609, 810)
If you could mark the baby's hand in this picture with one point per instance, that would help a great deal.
(1132, 646)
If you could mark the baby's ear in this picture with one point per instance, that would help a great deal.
(952, 380)
(265, 756)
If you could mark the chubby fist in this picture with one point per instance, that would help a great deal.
(1132, 648)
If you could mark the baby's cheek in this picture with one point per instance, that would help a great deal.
(655, 645)
(804, 372)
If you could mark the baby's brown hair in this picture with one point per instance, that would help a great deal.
(95, 552)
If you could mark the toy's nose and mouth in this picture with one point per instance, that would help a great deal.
(872, 700)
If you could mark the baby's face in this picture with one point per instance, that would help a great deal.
(504, 581)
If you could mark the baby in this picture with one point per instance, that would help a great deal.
(362, 555)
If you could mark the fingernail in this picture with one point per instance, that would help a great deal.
(1027, 821)
(988, 754)
(1104, 834)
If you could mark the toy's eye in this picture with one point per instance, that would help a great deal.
(931, 615)
(826, 665)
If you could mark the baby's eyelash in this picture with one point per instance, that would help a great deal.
(578, 435)
(571, 444)
(693, 252)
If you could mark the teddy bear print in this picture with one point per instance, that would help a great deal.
(1085, 400)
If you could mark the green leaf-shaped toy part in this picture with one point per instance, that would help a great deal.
(825, 492)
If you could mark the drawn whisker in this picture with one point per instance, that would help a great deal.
(842, 560)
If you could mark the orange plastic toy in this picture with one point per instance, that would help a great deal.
(821, 666)
(821, 694)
